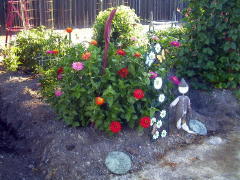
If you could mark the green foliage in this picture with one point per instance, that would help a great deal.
(30, 47)
(77, 107)
(210, 54)
(237, 94)
(124, 26)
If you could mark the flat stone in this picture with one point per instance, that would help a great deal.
(118, 162)
(214, 140)
(198, 127)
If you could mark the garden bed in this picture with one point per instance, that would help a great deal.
(48, 149)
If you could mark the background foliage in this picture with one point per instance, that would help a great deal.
(210, 54)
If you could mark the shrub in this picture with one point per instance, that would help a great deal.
(210, 56)
(125, 25)
(82, 94)
(31, 46)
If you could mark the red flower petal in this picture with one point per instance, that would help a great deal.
(145, 122)
(138, 93)
(115, 126)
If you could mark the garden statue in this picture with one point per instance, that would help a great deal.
(182, 108)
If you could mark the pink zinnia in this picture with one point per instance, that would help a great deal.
(153, 75)
(133, 39)
(155, 38)
(77, 66)
(59, 76)
(175, 43)
(175, 80)
(58, 93)
(49, 52)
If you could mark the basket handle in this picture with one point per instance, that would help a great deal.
(107, 33)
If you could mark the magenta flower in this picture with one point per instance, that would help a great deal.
(59, 76)
(58, 93)
(175, 80)
(155, 38)
(77, 66)
(175, 43)
(49, 52)
(153, 75)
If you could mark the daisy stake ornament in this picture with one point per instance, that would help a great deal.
(182, 107)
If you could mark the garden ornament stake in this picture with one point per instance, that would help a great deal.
(182, 108)
(107, 33)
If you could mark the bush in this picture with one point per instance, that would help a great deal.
(31, 46)
(82, 94)
(125, 25)
(210, 56)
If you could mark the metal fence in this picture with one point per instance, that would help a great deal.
(82, 13)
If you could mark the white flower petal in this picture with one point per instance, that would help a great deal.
(159, 124)
(161, 98)
(164, 133)
(153, 120)
(156, 135)
(158, 48)
(149, 61)
(158, 83)
(152, 56)
(163, 113)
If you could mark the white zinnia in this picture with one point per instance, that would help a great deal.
(158, 83)
(164, 133)
(158, 48)
(159, 124)
(153, 120)
(161, 98)
(149, 61)
(163, 113)
(156, 135)
(152, 56)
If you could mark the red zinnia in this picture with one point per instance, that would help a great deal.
(55, 51)
(121, 52)
(93, 42)
(137, 55)
(115, 127)
(86, 55)
(123, 72)
(60, 70)
(138, 93)
(145, 122)
(69, 29)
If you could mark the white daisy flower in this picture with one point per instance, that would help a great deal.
(153, 120)
(149, 61)
(161, 98)
(159, 124)
(158, 48)
(152, 56)
(164, 133)
(163, 113)
(158, 83)
(156, 135)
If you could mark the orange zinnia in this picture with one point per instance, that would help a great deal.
(86, 55)
(93, 42)
(69, 29)
(99, 101)
(137, 55)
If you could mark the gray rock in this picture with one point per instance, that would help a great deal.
(197, 127)
(214, 140)
(118, 162)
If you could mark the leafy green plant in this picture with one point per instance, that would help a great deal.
(84, 93)
(125, 25)
(10, 61)
(210, 55)
(29, 49)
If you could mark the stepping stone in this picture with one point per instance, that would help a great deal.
(198, 127)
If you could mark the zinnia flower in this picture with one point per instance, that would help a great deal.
(138, 93)
(164, 133)
(115, 126)
(133, 39)
(59, 76)
(86, 55)
(77, 66)
(123, 72)
(121, 52)
(58, 93)
(69, 29)
(153, 75)
(155, 38)
(145, 122)
(175, 80)
(55, 51)
(158, 48)
(93, 42)
(175, 43)
(137, 55)
(60, 70)
(158, 83)
(49, 52)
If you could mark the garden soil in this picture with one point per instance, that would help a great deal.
(36, 146)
